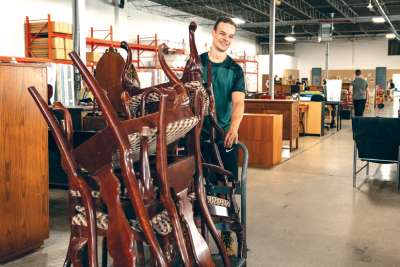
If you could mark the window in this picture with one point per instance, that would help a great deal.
(393, 47)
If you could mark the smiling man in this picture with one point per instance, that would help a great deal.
(227, 80)
(228, 86)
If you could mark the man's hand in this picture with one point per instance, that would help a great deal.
(231, 137)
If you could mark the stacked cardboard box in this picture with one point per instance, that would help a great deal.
(69, 46)
(40, 47)
(58, 27)
(61, 46)
(93, 56)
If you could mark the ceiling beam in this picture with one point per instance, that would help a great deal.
(261, 7)
(304, 8)
(367, 19)
(343, 8)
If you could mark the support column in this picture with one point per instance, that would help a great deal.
(116, 21)
(272, 47)
(327, 61)
(79, 38)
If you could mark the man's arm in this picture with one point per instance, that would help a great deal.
(231, 136)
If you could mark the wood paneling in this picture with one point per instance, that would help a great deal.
(347, 76)
(262, 134)
(290, 76)
(24, 200)
(390, 72)
(288, 108)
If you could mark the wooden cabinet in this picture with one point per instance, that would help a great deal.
(24, 222)
(288, 108)
(262, 135)
(313, 118)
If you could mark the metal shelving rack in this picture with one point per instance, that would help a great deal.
(142, 47)
(244, 61)
(50, 34)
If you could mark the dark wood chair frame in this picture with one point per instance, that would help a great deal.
(119, 132)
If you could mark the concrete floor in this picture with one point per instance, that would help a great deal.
(303, 212)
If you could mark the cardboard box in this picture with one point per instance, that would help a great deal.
(44, 53)
(42, 27)
(68, 44)
(93, 56)
(42, 43)
(67, 51)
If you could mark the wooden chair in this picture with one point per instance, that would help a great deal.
(192, 81)
(82, 238)
(178, 110)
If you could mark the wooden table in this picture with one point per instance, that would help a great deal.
(24, 202)
(262, 134)
(288, 108)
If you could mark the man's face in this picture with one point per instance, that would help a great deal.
(223, 36)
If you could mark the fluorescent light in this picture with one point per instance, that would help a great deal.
(238, 21)
(370, 6)
(378, 20)
(390, 36)
(290, 38)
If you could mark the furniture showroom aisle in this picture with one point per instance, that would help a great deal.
(305, 212)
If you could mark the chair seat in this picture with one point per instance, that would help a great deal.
(160, 222)
(136, 100)
(175, 130)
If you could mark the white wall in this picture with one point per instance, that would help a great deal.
(281, 63)
(100, 15)
(357, 54)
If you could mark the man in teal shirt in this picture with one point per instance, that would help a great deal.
(227, 81)
(228, 88)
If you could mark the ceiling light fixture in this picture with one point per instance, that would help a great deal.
(238, 21)
(370, 6)
(378, 20)
(390, 36)
(290, 38)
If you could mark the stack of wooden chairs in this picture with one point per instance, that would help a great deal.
(126, 184)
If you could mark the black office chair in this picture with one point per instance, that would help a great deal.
(376, 140)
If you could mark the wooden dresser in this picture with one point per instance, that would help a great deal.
(288, 108)
(262, 134)
(24, 212)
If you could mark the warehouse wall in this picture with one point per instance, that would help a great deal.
(281, 63)
(362, 54)
(100, 14)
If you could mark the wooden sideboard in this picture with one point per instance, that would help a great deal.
(288, 108)
(24, 212)
(262, 134)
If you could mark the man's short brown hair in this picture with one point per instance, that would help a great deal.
(358, 72)
(224, 20)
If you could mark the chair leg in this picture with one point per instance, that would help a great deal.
(104, 253)
(140, 253)
(77, 247)
(67, 261)
(354, 165)
(398, 170)
(398, 176)
(367, 168)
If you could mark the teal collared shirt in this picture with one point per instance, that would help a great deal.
(227, 77)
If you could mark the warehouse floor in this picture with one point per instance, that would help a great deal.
(303, 212)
